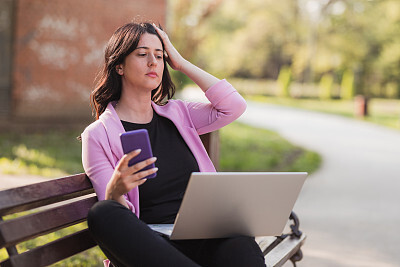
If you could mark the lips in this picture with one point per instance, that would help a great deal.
(152, 74)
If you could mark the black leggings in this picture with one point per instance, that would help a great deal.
(127, 241)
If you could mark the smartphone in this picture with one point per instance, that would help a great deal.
(138, 139)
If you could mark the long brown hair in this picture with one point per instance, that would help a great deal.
(124, 40)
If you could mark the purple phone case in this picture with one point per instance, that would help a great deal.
(133, 140)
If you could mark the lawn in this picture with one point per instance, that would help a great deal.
(243, 148)
(52, 154)
(385, 112)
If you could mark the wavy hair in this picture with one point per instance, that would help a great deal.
(123, 42)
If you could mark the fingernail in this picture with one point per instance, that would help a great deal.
(155, 169)
(154, 158)
(138, 150)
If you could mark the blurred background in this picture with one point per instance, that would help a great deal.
(291, 59)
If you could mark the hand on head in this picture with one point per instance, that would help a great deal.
(174, 59)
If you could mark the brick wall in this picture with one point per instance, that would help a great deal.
(6, 34)
(58, 50)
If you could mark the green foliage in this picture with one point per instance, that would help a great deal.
(347, 85)
(245, 148)
(49, 154)
(325, 86)
(284, 80)
(392, 90)
(254, 38)
(179, 79)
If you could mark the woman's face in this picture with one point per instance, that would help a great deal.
(143, 68)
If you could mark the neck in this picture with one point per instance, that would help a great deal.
(135, 106)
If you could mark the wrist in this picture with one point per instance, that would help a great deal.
(119, 198)
(110, 193)
(184, 67)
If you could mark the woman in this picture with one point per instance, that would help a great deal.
(135, 92)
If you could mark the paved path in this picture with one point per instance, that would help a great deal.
(349, 208)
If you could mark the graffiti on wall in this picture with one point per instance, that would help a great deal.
(59, 49)
(62, 45)
(53, 39)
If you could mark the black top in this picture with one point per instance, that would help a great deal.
(161, 197)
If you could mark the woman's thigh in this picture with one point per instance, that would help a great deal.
(235, 251)
(128, 241)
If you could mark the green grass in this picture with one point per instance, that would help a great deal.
(245, 148)
(385, 112)
(49, 155)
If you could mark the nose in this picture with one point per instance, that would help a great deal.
(152, 60)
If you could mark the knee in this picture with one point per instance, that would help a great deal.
(99, 209)
(101, 212)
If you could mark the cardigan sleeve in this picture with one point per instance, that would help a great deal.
(97, 161)
(226, 105)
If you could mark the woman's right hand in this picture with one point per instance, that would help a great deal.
(125, 177)
(173, 57)
(203, 79)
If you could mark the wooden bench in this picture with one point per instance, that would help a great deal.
(59, 203)
(63, 202)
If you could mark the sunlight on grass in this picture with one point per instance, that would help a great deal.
(245, 148)
(50, 155)
(33, 155)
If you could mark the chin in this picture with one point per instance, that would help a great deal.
(153, 85)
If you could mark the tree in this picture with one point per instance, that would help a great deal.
(256, 38)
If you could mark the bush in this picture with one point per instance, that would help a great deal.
(325, 86)
(347, 85)
(284, 81)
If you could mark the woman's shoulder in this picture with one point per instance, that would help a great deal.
(93, 130)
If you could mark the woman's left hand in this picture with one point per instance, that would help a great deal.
(174, 59)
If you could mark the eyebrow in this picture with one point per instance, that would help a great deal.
(145, 47)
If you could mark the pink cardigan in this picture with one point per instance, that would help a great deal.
(101, 146)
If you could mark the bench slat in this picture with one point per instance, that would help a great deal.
(11, 250)
(284, 251)
(52, 252)
(36, 195)
(30, 226)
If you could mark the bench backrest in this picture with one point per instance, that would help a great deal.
(56, 204)
(52, 205)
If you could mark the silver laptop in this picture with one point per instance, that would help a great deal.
(226, 204)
